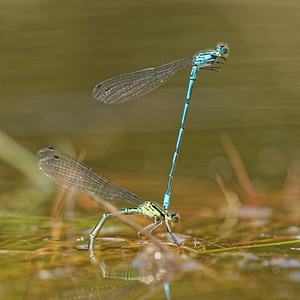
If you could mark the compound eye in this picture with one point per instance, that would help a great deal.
(222, 49)
(174, 217)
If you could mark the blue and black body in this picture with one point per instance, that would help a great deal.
(71, 173)
(208, 60)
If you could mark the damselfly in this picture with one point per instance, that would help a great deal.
(132, 85)
(73, 174)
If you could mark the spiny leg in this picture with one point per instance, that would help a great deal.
(98, 227)
(159, 224)
(170, 232)
(155, 227)
(94, 233)
(150, 225)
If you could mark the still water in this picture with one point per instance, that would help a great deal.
(236, 187)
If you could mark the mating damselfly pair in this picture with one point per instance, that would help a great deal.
(71, 173)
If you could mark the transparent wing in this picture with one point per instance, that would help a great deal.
(132, 85)
(73, 174)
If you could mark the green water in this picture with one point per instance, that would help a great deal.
(52, 54)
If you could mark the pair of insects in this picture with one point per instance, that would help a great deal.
(73, 174)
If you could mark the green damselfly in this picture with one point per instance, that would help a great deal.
(73, 174)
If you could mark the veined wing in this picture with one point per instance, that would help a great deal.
(73, 174)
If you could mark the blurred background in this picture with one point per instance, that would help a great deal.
(53, 53)
(242, 122)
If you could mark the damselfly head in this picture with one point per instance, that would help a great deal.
(173, 217)
(223, 49)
